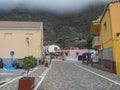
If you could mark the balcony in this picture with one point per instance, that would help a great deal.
(95, 27)
(96, 42)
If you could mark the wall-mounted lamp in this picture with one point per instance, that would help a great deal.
(118, 34)
(27, 39)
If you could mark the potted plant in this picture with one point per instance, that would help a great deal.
(27, 83)
(46, 63)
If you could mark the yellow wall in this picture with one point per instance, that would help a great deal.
(117, 55)
(109, 38)
(115, 17)
(16, 40)
(106, 36)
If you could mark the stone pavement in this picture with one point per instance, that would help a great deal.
(67, 75)
(101, 72)
(6, 75)
(34, 73)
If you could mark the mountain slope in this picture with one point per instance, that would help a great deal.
(64, 30)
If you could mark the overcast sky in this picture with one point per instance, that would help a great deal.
(49, 5)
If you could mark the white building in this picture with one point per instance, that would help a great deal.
(51, 49)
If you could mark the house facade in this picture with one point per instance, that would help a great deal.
(70, 54)
(20, 39)
(107, 37)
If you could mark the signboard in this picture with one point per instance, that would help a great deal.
(12, 53)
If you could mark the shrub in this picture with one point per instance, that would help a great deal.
(29, 62)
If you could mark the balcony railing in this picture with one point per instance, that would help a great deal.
(96, 41)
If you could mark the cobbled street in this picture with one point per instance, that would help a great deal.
(72, 75)
(64, 75)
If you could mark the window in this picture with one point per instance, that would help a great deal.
(108, 54)
(77, 53)
(105, 27)
(55, 48)
(7, 36)
(66, 54)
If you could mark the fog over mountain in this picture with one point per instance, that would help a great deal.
(66, 22)
(55, 6)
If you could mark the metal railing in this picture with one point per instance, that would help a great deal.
(95, 40)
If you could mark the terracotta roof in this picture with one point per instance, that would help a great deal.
(14, 24)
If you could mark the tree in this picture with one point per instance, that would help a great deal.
(89, 41)
(61, 43)
(29, 62)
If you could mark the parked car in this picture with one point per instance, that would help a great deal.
(94, 57)
(80, 57)
(17, 63)
(86, 55)
(1, 63)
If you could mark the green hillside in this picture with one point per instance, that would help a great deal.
(64, 30)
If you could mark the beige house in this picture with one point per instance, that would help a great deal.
(22, 38)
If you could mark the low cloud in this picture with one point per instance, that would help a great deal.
(58, 6)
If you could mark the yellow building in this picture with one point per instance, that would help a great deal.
(21, 38)
(107, 39)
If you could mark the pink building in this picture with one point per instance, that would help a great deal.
(70, 54)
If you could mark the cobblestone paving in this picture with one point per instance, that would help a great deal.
(65, 75)
(6, 75)
(14, 85)
(104, 73)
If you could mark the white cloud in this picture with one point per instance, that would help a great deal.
(49, 5)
